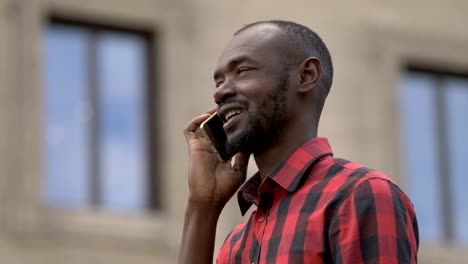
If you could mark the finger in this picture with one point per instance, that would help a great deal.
(196, 121)
(192, 129)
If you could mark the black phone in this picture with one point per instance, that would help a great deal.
(212, 129)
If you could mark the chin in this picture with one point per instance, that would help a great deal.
(246, 142)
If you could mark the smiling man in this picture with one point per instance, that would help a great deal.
(271, 84)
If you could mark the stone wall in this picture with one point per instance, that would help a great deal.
(370, 42)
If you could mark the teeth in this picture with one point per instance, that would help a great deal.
(232, 113)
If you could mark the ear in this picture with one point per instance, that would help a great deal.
(310, 73)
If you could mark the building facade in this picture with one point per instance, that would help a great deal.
(381, 50)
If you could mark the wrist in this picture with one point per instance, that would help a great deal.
(206, 206)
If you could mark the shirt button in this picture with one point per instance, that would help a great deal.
(261, 219)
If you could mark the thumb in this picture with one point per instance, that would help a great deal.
(241, 163)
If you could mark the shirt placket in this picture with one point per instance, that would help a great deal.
(261, 219)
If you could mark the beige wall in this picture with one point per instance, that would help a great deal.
(369, 40)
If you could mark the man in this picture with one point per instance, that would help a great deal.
(271, 83)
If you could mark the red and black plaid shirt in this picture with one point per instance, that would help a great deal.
(318, 209)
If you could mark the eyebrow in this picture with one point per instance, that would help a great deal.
(231, 64)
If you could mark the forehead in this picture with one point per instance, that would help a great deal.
(257, 43)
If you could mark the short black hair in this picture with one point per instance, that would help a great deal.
(304, 38)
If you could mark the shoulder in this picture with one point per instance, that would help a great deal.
(356, 174)
(359, 181)
(370, 216)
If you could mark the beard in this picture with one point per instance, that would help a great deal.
(264, 125)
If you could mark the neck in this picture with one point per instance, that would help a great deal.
(285, 145)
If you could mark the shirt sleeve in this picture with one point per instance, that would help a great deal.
(376, 223)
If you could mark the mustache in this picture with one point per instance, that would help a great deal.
(244, 103)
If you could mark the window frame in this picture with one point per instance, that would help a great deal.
(150, 107)
(391, 49)
(439, 75)
(24, 214)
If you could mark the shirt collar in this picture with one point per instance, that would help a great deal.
(287, 174)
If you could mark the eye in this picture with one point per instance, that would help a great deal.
(243, 69)
(218, 84)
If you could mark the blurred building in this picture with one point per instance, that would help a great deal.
(95, 95)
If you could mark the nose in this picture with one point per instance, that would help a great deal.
(224, 91)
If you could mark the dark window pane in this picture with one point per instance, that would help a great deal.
(420, 153)
(457, 138)
(66, 116)
(122, 83)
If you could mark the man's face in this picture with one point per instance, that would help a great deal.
(252, 89)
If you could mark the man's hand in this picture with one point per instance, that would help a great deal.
(212, 182)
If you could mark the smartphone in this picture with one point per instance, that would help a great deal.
(212, 129)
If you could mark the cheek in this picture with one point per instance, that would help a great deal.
(292, 104)
(263, 95)
(257, 86)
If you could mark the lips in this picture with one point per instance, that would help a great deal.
(229, 114)
(227, 111)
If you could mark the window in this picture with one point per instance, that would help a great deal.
(434, 114)
(97, 122)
